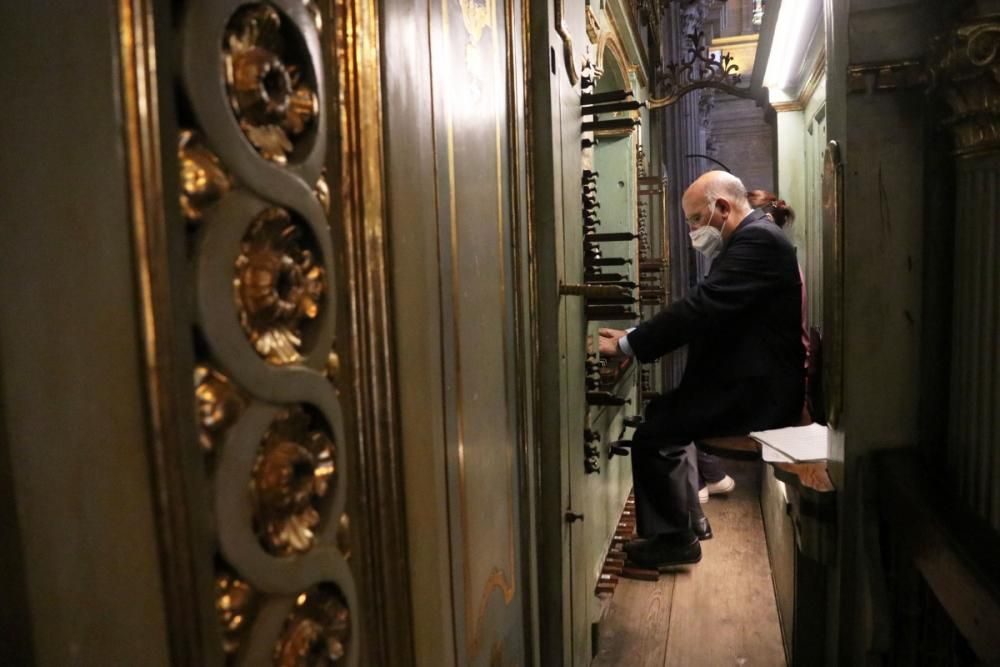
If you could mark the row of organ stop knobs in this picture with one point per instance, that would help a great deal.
(611, 289)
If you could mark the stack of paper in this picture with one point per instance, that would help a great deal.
(793, 444)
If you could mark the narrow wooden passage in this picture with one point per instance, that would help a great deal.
(719, 612)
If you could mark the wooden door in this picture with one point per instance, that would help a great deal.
(457, 229)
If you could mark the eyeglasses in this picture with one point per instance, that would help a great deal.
(694, 220)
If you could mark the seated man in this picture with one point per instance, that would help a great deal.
(744, 368)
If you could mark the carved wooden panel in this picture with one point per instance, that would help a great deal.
(252, 148)
(477, 220)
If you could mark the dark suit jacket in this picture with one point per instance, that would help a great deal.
(743, 327)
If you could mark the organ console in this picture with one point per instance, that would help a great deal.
(611, 124)
(613, 287)
(591, 452)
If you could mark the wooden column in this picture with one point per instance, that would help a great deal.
(963, 75)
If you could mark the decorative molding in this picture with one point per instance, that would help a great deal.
(964, 71)
(367, 370)
(267, 292)
(833, 317)
(792, 105)
(614, 33)
(883, 76)
(642, 67)
(173, 463)
(808, 89)
(812, 83)
(569, 60)
(593, 24)
(609, 41)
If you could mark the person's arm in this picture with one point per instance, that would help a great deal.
(749, 270)
(614, 342)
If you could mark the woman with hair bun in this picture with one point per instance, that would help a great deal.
(782, 214)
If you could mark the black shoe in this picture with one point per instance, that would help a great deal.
(665, 551)
(632, 545)
(702, 528)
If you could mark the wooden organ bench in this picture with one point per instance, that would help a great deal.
(800, 526)
(812, 495)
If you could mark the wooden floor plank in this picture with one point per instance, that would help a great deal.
(726, 613)
(719, 612)
(634, 629)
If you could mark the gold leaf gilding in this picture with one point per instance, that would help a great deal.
(272, 101)
(278, 285)
(218, 404)
(317, 631)
(203, 180)
(293, 473)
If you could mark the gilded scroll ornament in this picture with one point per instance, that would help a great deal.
(218, 404)
(273, 102)
(317, 631)
(203, 180)
(698, 69)
(236, 604)
(293, 473)
(965, 71)
(278, 285)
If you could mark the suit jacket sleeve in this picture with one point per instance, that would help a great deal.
(749, 269)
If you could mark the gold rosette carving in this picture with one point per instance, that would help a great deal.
(317, 631)
(236, 605)
(218, 404)
(293, 473)
(203, 179)
(273, 102)
(278, 285)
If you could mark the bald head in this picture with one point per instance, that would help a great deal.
(716, 198)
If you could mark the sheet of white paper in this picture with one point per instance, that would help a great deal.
(772, 455)
(796, 443)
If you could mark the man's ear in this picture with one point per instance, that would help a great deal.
(722, 206)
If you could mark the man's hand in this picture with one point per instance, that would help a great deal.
(608, 342)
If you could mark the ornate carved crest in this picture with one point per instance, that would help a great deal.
(699, 68)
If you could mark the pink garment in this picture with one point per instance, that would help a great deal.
(805, 317)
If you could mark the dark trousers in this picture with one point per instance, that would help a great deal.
(664, 462)
(665, 481)
(709, 469)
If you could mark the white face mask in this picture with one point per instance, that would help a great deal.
(707, 239)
